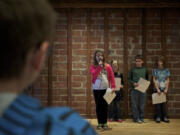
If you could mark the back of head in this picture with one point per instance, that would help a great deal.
(24, 25)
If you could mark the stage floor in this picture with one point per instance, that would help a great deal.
(128, 127)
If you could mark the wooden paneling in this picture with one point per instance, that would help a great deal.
(125, 62)
(88, 88)
(69, 56)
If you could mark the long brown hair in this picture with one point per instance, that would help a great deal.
(95, 61)
(160, 58)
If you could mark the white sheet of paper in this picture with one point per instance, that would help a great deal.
(117, 83)
(157, 99)
(109, 96)
(142, 85)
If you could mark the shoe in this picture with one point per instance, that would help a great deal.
(165, 120)
(120, 121)
(99, 127)
(142, 120)
(138, 121)
(110, 120)
(105, 127)
(158, 120)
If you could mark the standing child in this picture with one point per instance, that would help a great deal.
(161, 83)
(138, 99)
(114, 108)
(102, 78)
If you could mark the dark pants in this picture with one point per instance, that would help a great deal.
(114, 110)
(101, 106)
(160, 110)
(138, 101)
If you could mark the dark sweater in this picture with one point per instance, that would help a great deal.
(136, 73)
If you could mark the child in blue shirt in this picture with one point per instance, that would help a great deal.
(161, 83)
(26, 26)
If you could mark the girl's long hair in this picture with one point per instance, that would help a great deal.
(95, 61)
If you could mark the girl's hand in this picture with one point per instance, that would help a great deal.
(121, 86)
(159, 92)
(165, 91)
(113, 90)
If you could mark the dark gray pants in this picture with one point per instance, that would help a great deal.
(160, 110)
(138, 101)
(114, 110)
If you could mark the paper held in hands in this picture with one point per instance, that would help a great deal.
(157, 99)
(109, 96)
(142, 85)
(117, 83)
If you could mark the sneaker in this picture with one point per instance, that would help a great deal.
(165, 120)
(142, 120)
(110, 120)
(99, 127)
(138, 121)
(105, 127)
(158, 120)
(119, 120)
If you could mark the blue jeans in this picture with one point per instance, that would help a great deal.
(138, 101)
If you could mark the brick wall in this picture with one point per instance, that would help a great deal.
(79, 33)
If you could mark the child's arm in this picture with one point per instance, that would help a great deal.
(130, 79)
(147, 75)
(167, 86)
(122, 79)
(156, 85)
(95, 72)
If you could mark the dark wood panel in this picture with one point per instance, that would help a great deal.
(50, 70)
(125, 61)
(88, 109)
(106, 33)
(69, 56)
(163, 42)
(115, 5)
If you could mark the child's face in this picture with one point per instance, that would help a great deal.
(160, 64)
(99, 56)
(139, 62)
(115, 67)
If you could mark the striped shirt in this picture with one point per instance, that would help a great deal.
(25, 116)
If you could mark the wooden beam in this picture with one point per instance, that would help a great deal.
(50, 70)
(125, 61)
(106, 34)
(163, 43)
(163, 32)
(88, 107)
(144, 52)
(115, 5)
(69, 56)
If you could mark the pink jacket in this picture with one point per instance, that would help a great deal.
(95, 71)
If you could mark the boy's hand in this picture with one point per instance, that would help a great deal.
(135, 84)
(121, 86)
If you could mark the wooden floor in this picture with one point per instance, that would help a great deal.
(150, 128)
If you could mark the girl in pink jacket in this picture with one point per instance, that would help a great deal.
(102, 78)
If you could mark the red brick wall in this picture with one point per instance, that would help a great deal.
(134, 43)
